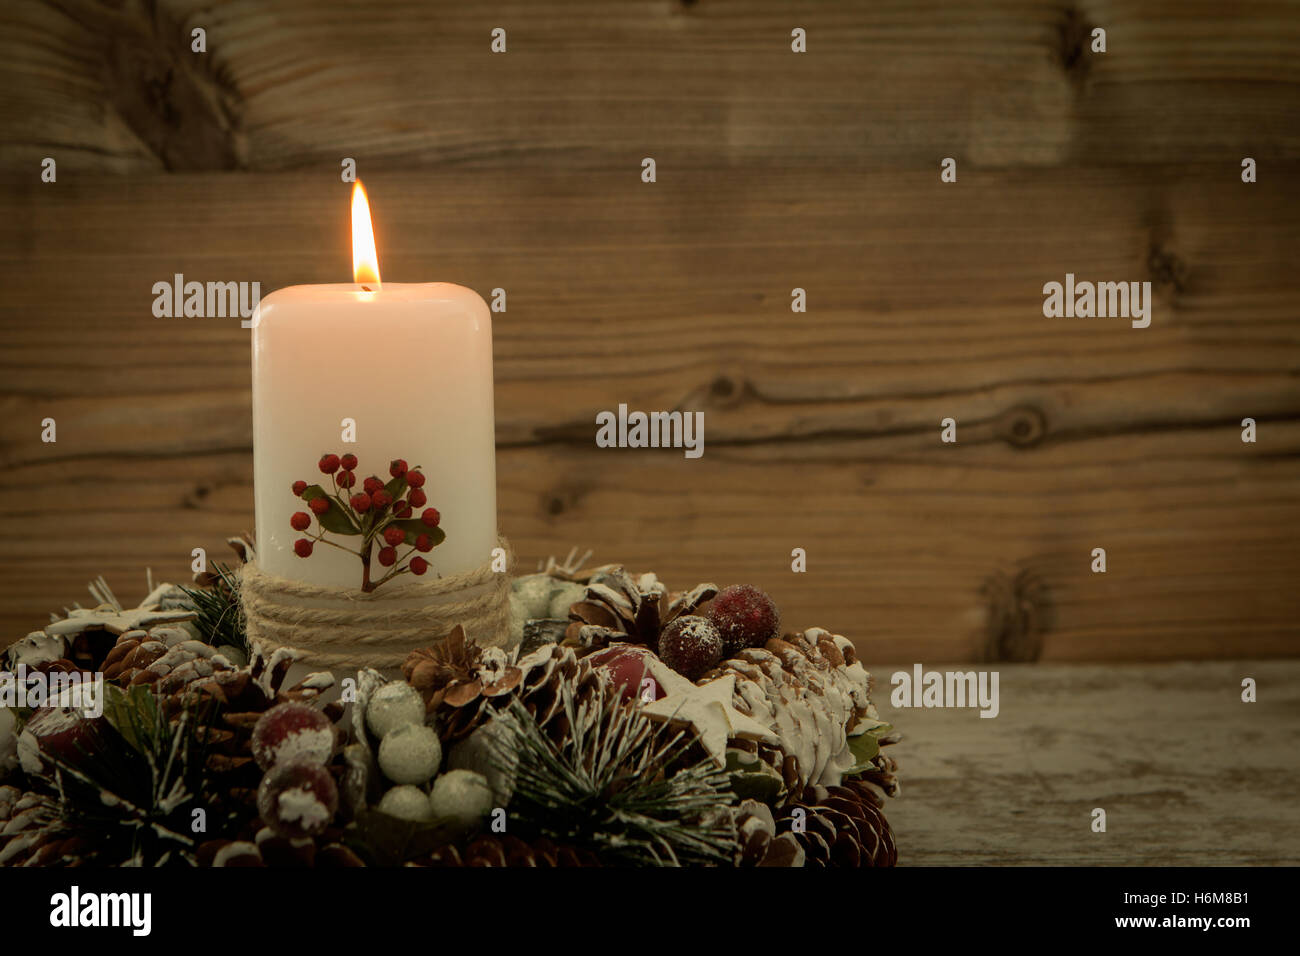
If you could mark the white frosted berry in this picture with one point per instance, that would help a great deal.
(396, 704)
(461, 797)
(533, 593)
(488, 751)
(410, 754)
(407, 803)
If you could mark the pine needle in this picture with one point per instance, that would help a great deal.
(615, 784)
(219, 616)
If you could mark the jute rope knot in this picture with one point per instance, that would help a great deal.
(346, 628)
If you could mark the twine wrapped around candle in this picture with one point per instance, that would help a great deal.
(347, 629)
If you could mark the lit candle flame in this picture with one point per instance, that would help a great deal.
(365, 261)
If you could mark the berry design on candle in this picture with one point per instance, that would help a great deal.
(380, 514)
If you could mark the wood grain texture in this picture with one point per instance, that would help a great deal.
(301, 83)
(821, 429)
(775, 170)
(1188, 774)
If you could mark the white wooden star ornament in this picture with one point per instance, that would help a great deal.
(708, 709)
(114, 620)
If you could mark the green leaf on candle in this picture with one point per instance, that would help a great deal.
(396, 487)
(336, 519)
(414, 527)
(314, 491)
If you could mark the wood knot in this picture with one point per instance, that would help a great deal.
(727, 390)
(564, 498)
(196, 497)
(1073, 38)
(1019, 614)
(1168, 270)
(1022, 427)
(178, 103)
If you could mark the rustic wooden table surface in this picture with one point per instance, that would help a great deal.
(1187, 773)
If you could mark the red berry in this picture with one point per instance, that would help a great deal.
(397, 467)
(394, 536)
(402, 509)
(431, 517)
(329, 464)
(300, 521)
(745, 617)
(418, 498)
(419, 565)
(292, 730)
(360, 502)
(626, 664)
(690, 645)
(297, 799)
(381, 499)
(299, 487)
(319, 505)
(346, 479)
(372, 484)
(302, 547)
(349, 462)
(423, 542)
(415, 479)
(388, 557)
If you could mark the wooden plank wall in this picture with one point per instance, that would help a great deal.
(775, 170)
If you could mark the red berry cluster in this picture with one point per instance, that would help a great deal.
(382, 513)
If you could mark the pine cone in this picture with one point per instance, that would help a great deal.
(458, 672)
(31, 830)
(813, 692)
(464, 684)
(840, 826)
(509, 850)
(619, 607)
(757, 841)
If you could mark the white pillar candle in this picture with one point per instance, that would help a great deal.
(411, 365)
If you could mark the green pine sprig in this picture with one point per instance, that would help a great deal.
(616, 784)
(135, 788)
(219, 615)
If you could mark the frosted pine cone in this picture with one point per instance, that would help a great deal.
(619, 607)
(813, 692)
(464, 684)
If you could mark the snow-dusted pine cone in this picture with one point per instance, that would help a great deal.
(620, 607)
(463, 684)
(140, 658)
(814, 694)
